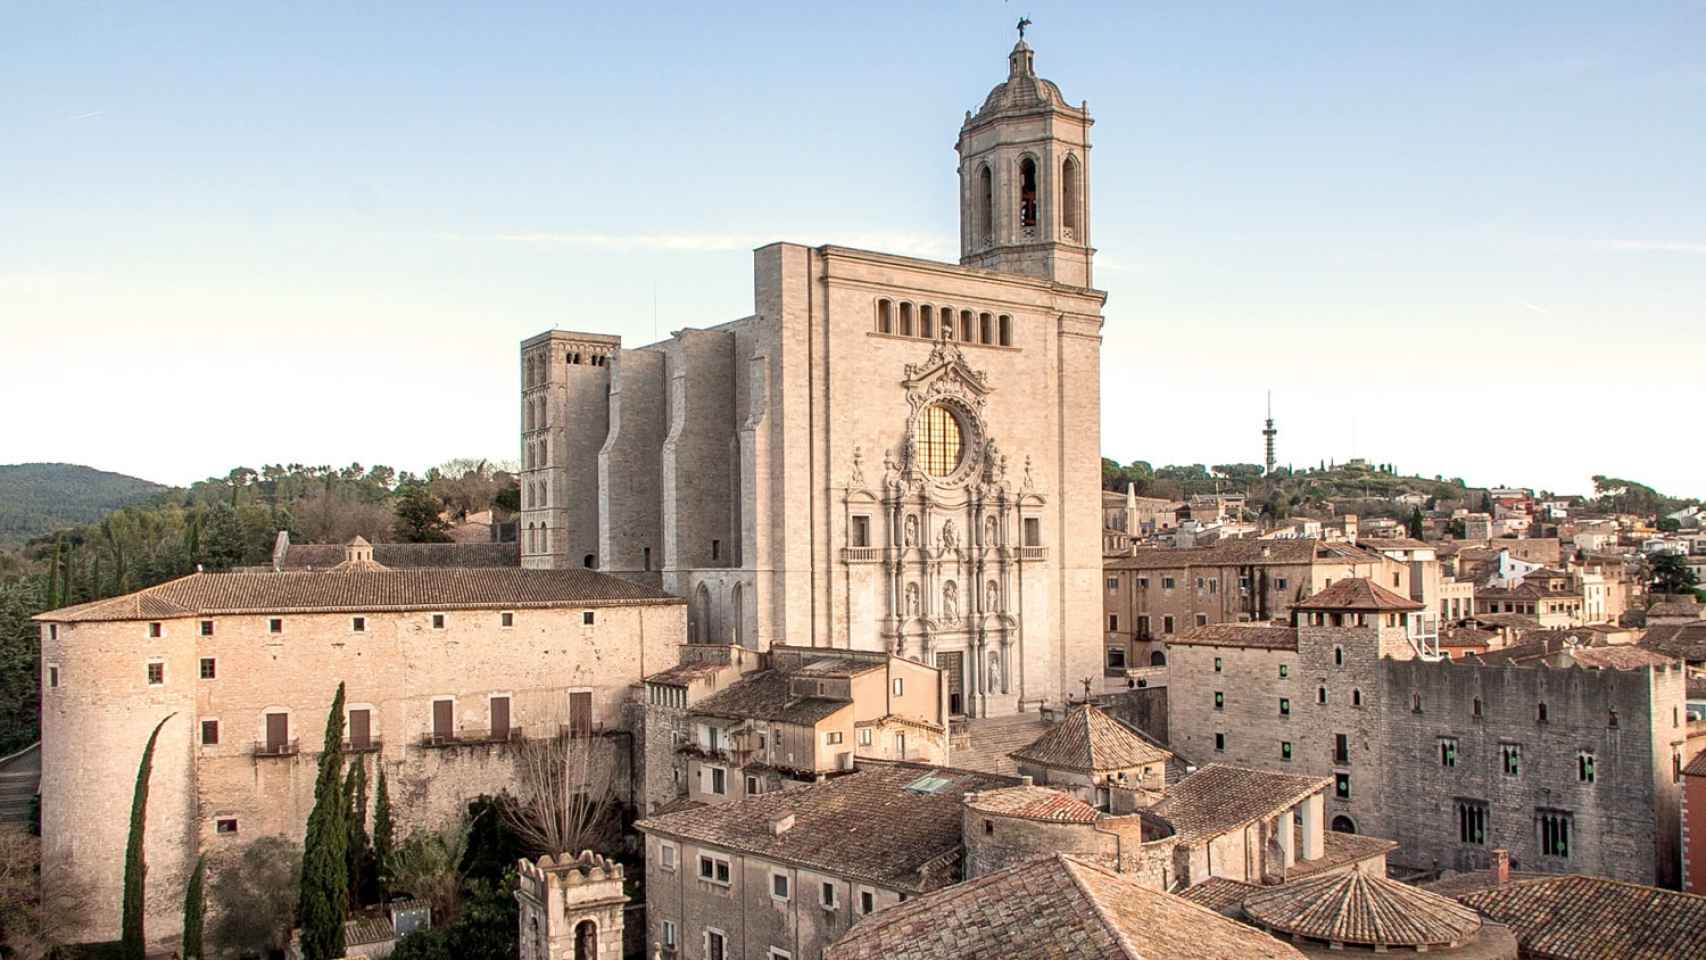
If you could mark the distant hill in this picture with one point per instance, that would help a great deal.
(38, 498)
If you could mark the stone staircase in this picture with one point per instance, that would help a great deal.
(20, 777)
(990, 740)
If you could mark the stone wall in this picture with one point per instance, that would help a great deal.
(630, 469)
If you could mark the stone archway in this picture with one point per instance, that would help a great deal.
(1344, 824)
(586, 940)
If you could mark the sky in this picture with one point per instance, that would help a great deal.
(1468, 239)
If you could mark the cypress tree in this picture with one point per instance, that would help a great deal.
(53, 574)
(323, 902)
(135, 863)
(194, 912)
(358, 852)
(383, 832)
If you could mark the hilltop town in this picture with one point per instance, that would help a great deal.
(828, 633)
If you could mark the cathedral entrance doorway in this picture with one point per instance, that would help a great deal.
(953, 666)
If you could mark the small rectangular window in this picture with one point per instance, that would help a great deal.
(779, 886)
(53, 675)
(1584, 767)
(506, 619)
(1285, 671)
(1219, 700)
(1167, 625)
(358, 624)
(210, 733)
(1220, 743)
(275, 625)
(1113, 584)
(867, 901)
(826, 895)
(832, 737)
(861, 533)
(1512, 755)
(1341, 748)
(1113, 622)
(1202, 619)
(1218, 665)
(207, 628)
(438, 621)
(586, 618)
(1447, 752)
(753, 786)
(1285, 706)
(156, 673)
(719, 781)
(155, 630)
(666, 855)
(899, 686)
(209, 669)
(1167, 583)
(1285, 749)
(225, 825)
(1033, 532)
(669, 934)
(1342, 785)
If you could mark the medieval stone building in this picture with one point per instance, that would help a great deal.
(888, 454)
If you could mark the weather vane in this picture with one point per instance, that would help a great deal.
(1023, 23)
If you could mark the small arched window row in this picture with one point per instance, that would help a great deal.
(930, 322)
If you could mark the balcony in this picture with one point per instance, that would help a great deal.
(861, 554)
(471, 737)
(1033, 553)
(370, 745)
(272, 749)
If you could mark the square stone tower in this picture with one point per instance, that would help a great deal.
(570, 910)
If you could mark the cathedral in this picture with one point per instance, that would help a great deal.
(889, 453)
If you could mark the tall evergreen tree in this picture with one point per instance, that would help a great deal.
(194, 912)
(132, 936)
(53, 574)
(384, 839)
(358, 853)
(1416, 524)
(323, 902)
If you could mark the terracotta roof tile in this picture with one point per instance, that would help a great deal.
(1220, 894)
(1059, 908)
(1219, 798)
(1033, 803)
(402, 556)
(1090, 741)
(893, 824)
(1356, 593)
(1684, 641)
(1697, 766)
(1255, 636)
(1352, 907)
(330, 591)
(1337, 850)
(768, 695)
(1588, 918)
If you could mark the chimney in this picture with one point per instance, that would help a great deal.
(1024, 781)
(1501, 866)
(781, 825)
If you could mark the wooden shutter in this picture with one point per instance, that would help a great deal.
(360, 729)
(278, 732)
(500, 718)
(443, 719)
(580, 712)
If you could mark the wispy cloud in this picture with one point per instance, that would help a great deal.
(92, 114)
(1533, 307)
(1658, 246)
(934, 246)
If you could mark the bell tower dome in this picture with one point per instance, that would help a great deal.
(1025, 179)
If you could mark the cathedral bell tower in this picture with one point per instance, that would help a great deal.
(1025, 179)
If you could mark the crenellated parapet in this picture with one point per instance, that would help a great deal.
(570, 906)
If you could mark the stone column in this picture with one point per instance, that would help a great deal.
(1287, 838)
(1314, 819)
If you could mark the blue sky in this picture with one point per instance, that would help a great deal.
(1468, 241)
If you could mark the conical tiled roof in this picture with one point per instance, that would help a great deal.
(1090, 741)
(1359, 909)
(1356, 594)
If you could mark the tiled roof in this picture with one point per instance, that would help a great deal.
(1033, 803)
(683, 674)
(1054, 908)
(1524, 591)
(1337, 850)
(1588, 918)
(1393, 543)
(401, 556)
(1090, 741)
(364, 591)
(1471, 881)
(1221, 894)
(1684, 641)
(838, 667)
(1352, 907)
(1356, 593)
(367, 930)
(1697, 766)
(767, 695)
(1619, 657)
(1219, 798)
(1240, 553)
(892, 824)
(1455, 635)
(1260, 636)
(1674, 608)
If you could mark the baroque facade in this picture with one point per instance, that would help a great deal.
(889, 454)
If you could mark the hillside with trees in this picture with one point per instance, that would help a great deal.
(38, 498)
(1287, 491)
(217, 524)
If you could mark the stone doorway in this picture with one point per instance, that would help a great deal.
(953, 666)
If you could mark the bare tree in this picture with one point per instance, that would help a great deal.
(565, 793)
(37, 910)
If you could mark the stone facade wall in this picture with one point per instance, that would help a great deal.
(564, 442)
(395, 668)
(630, 469)
(1143, 707)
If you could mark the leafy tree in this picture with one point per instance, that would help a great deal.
(383, 836)
(1457, 529)
(425, 944)
(323, 899)
(489, 926)
(1671, 574)
(1669, 525)
(20, 658)
(1487, 503)
(253, 889)
(1415, 524)
(194, 912)
(221, 538)
(428, 866)
(418, 518)
(131, 934)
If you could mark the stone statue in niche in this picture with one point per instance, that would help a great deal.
(912, 599)
(858, 479)
(951, 602)
(911, 530)
(994, 672)
(992, 595)
(948, 536)
(989, 532)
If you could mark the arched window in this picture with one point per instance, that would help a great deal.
(1344, 824)
(1071, 190)
(1158, 659)
(544, 417)
(906, 319)
(1416, 702)
(589, 561)
(885, 316)
(1004, 331)
(947, 323)
(985, 328)
(702, 632)
(586, 940)
(1356, 697)
(736, 617)
(527, 415)
(984, 222)
(926, 322)
(939, 440)
(966, 326)
(1028, 194)
(544, 538)
(1320, 694)
(1475, 708)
